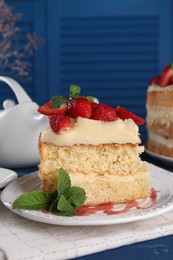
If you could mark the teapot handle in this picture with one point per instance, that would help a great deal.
(21, 95)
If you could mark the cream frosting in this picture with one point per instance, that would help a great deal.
(162, 115)
(88, 131)
(159, 139)
(155, 87)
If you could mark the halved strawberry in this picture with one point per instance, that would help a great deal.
(47, 109)
(80, 107)
(59, 123)
(155, 80)
(166, 76)
(123, 114)
(104, 113)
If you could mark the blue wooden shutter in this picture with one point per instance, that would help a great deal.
(30, 22)
(110, 48)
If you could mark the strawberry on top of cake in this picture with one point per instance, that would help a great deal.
(98, 146)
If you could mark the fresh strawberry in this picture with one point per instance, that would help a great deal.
(47, 109)
(104, 113)
(59, 123)
(125, 114)
(80, 107)
(171, 79)
(155, 80)
(166, 76)
(94, 104)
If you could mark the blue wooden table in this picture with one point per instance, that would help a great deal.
(156, 249)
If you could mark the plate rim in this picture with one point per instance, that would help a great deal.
(79, 220)
(164, 159)
(11, 175)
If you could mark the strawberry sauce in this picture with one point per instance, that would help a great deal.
(45, 211)
(108, 207)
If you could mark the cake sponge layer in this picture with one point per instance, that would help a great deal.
(161, 128)
(160, 99)
(106, 188)
(159, 148)
(114, 159)
(108, 173)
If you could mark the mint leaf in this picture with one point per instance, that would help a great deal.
(63, 201)
(77, 196)
(65, 206)
(74, 91)
(33, 200)
(91, 99)
(57, 101)
(53, 207)
(52, 195)
(64, 183)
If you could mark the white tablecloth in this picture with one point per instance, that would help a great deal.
(24, 239)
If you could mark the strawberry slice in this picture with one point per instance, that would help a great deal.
(104, 112)
(47, 109)
(155, 80)
(59, 123)
(166, 76)
(125, 114)
(80, 107)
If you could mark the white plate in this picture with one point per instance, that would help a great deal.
(164, 159)
(161, 180)
(6, 176)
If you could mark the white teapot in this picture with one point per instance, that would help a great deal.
(20, 126)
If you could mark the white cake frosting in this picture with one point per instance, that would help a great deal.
(163, 115)
(159, 139)
(88, 131)
(155, 87)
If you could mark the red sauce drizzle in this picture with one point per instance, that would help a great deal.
(107, 207)
(46, 211)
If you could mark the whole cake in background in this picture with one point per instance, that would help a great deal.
(97, 145)
(159, 119)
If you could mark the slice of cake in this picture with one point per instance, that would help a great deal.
(97, 145)
(159, 107)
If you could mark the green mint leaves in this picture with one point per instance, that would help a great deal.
(36, 200)
(57, 101)
(91, 99)
(61, 202)
(64, 183)
(74, 91)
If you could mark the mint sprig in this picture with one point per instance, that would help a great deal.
(57, 101)
(74, 91)
(63, 201)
